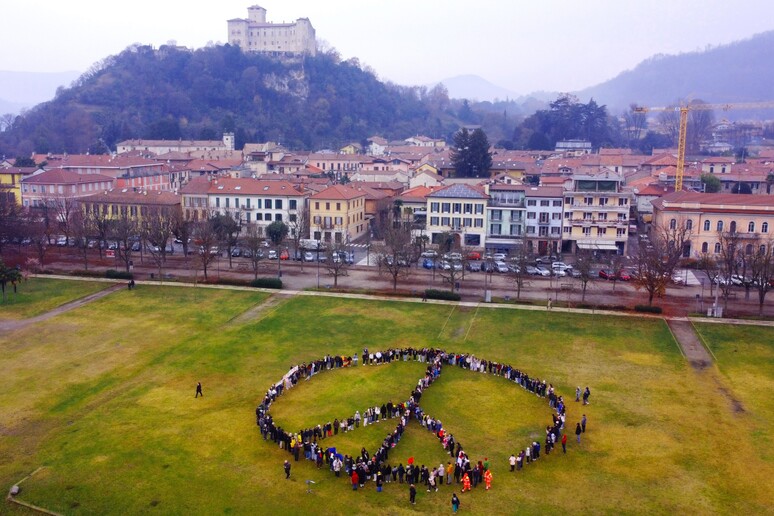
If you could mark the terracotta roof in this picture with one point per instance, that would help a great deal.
(131, 196)
(686, 200)
(57, 176)
(170, 143)
(105, 161)
(372, 194)
(662, 160)
(545, 191)
(248, 186)
(196, 186)
(418, 193)
(655, 190)
(339, 192)
(25, 171)
(717, 159)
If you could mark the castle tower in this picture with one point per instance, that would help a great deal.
(228, 141)
(256, 14)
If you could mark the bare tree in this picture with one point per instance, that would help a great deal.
(183, 230)
(157, 230)
(615, 264)
(729, 256)
(228, 225)
(82, 230)
(762, 269)
(395, 253)
(298, 224)
(655, 264)
(253, 243)
(10, 220)
(519, 263)
(634, 122)
(337, 263)
(709, 265)
(124, 232)
(101, 223)
(36, 228)
(583, 265)
(205, 236)
(63, 206)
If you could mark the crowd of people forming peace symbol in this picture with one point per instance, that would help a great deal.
(376, 467)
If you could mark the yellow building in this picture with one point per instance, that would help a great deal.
(10, 182)
(134, 203)
(596, 214)
(338, 214)
(707, 216)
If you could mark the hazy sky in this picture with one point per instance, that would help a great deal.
(522, 45)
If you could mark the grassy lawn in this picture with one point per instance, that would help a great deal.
(38, 295)
(103, 396)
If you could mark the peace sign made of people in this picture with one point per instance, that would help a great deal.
(374, 465)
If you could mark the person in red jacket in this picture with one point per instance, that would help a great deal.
(355, 480)
(564, 443)
(488, 478)
(465, 483)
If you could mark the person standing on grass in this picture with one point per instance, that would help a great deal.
(512, 461)
(198, 390)
(413, 494)
(577, 393)
(355, 479)
(583, 423)
(586, 395)
(578, 431)
(488, 479)
(455, 502)
(564, 443)
(287, 470)
(465, 482)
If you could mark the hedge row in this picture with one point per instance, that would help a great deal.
(267, 283)
(114, 274)
(442, 294)
(648, 309)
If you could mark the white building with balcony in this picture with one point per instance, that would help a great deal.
(544, 219)
(459, 209)
(506, 214)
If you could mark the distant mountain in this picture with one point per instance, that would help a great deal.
(25, 89)
(473, 87)
(737, 72)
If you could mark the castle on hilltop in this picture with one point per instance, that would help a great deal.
(255, 34)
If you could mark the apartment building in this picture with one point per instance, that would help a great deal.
(459, 209)
(544, 219)
(505, 215)
(338, 214)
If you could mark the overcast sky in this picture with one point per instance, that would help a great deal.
(557, 45)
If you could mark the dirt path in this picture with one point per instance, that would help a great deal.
(23, 323)
(689, 342)
(269, 305)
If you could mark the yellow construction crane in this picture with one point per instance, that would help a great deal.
(684, 109)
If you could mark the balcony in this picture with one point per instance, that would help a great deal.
(504, 236)
(505, 203)
(597, 207)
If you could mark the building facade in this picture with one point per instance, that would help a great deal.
(505, 215)
(459, 209)
(544, 222)
(255, 34)
(596, 214)
(709, 216)
(44, 187)
(338, 214)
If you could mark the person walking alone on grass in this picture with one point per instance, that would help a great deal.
(578, 431)
(199, 390)
(413, 494)
(287, 470)
(564, 443)
(455, 502)
(583, 423)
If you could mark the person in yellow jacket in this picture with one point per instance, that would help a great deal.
(449, 473)
(465, 482)
(488, 478)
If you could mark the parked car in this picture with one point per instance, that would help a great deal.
(428, 263)
(514, 268)
(247, 253)
(444, 265)
(575, 273)
(308, 256)
(453, 256)
(542, 271)
(236, 252)
(135, 246)
(560, 265)
(272, 254)
(61, 241)
(546, 259)
(531, 270)
(606, 274)
(429, 254)
(559, 273)
(501, 267)
(499, 257)
(624, 276)
(474, 266)
(474, 255)
(488, 266)
(285, 255)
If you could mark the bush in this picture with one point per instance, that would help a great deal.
(442, 294)
(234, 282)
(114, 274)
(87, 274)
(266, 283)
(648, 309)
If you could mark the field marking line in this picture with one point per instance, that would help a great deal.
(470, 326)
(703, 341)
(447, 322)
(674, 338)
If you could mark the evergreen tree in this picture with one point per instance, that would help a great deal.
(470, 155)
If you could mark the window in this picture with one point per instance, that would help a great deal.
(717, 248)
(217, 202)
(468, 208)
(706, 225)
(732, 227)
(258, 203)
(515, 230)
(556, 204)
(445, 221)
(457, 207)
(338, 206)
(292, 204)
(603, 201)
(278, 204)
(433, 221)
(544, 218)
(292, 217)
(568, 200)
(479, 223)
(247, 218)
(765, 227)
(554, 231)
(673, 224)
(327, 206)
(543, 231)
(623, 202)
(445, 207)
(495, 229)
(532, 202)
(248, 203)
(556, 216)
(316, 205)
(601, 231)
(587, 215)
(267, 204)
(588, 201)
(530, 230)
(751, 227)
(434, 208)
(467, 222)
(704, 247)
(587, 231)
(497, 215)
(720, 225)
(531, 215)
(620, 232)
(762, 249)
(749, 249)
(689, 224)
(603, 216)
(479, 209)
(544, 203)
(227, 202)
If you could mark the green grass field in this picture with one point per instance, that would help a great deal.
(103, 397)
(39, 295)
